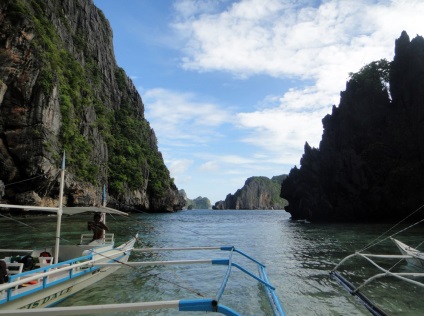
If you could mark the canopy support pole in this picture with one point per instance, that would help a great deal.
(59, 211)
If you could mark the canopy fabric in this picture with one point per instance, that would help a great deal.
(67, 210)
(29, 207)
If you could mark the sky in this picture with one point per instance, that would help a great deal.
(234, 89)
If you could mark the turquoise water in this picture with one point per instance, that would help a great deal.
(298, 256)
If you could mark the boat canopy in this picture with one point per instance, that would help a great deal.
(67, 210)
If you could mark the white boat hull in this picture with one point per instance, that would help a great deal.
(418, 256)
(59, 292)
(35, 297)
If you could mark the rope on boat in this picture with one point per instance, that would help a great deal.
(184, 305)
(29, 179)
(20, 222)
(48, 186)
(355, 290)
(32, 227)
(187, 305)
(376, 242)
(186, 287)
(135, 264)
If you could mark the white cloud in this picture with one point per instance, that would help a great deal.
(179, 166)
(209, 166)
(258, 36)
(179, 117)
(276, 130)
(293, 39)
(316, 43)
(234, 159)
(282, 130)
(282, 39)
(225, 158)
(186, 9)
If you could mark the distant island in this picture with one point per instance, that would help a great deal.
(258, 193)
(199, 203)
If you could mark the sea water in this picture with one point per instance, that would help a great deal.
(298, 255)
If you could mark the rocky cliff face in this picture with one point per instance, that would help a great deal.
(258, 193)
(61, 89)
(370, 163)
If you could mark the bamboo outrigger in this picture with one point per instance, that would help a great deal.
(71, 268)
(410, 255)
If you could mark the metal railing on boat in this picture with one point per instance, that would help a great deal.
(43, 277)
(204, 304)
(262, 278)
(48, 276)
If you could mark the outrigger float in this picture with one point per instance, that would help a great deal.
(384, 273)
(71, 268)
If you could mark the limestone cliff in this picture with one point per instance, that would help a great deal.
(61, 89)
(370, 163)
(258, 193)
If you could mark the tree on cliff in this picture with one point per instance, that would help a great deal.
(375, 75)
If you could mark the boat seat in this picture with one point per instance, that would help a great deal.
(108, 238)
(45, 261)
(14, 268)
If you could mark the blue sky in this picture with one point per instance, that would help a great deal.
(234, 89)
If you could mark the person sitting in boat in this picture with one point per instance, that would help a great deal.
(97, 227)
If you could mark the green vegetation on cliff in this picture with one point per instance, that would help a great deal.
(199, 203)
(131, 159)
(257, 193)
(134, 161)
(75, 93)
(375, 75)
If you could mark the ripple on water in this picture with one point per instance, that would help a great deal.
(298, 256)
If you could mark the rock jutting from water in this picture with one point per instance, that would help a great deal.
(370, 162)
(258, 193)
